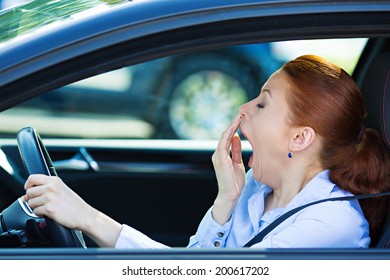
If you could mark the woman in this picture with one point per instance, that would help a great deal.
(309, 143)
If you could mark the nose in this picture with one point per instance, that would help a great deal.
(244, 110)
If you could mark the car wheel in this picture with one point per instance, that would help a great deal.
(204, 95)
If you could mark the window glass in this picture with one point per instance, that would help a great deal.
(19, 17)
(343, 52)
(192, 96)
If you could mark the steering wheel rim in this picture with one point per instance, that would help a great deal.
(36, 160)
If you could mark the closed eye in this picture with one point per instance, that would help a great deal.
(260, 105)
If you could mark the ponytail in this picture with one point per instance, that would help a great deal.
(364, 168)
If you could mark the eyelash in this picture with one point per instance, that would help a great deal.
(260, 105)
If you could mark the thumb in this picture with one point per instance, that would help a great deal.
(236, 149)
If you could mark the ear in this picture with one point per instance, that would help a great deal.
(302, 138)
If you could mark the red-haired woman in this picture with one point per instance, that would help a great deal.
(309, 143)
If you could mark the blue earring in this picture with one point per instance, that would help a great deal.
(290, 155)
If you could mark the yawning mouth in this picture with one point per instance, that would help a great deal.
(251, 156)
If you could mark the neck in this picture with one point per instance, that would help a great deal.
(288, 187)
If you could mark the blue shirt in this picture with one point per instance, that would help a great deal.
(336, 224)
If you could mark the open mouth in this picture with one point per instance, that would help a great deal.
(251, 156)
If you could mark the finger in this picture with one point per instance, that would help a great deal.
(236, 149)
(236, 123)
(36, 180)
(36, 202)
(35, 192)
(234, 127)
(39, 211)
(225, 140)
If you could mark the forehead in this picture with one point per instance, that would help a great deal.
(277, 85)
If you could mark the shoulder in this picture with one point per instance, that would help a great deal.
(342, 219)
(342, 215)
(324, 225)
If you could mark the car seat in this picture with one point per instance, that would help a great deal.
(376, 92)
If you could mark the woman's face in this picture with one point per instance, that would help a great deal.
(265, 125)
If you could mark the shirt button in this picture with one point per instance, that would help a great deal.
(217, 244)
(220, 234)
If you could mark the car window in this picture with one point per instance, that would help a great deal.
(189, 96)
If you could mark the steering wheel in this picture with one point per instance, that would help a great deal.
(36, 160)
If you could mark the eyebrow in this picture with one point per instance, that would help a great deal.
(263, 90)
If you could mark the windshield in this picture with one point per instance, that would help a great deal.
(21, 19)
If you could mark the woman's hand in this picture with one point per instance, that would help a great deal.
(49, 196)
(230, 172)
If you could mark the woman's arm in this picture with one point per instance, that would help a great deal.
(49, 196)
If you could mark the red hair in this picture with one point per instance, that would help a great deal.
(324, 97)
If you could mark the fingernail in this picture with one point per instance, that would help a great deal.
(241, 119)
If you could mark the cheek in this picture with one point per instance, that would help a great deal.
(269, 141)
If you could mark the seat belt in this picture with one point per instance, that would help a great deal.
(260, 236)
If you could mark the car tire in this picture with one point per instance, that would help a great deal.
(221, 83)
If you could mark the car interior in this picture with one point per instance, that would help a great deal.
(165, 189)
(376, 90)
